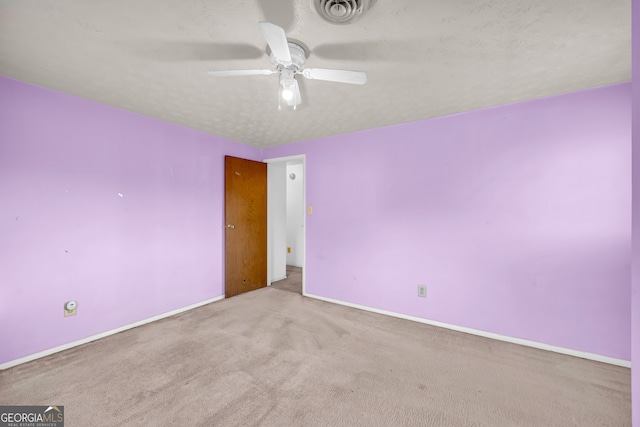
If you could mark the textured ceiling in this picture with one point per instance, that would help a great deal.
(424, 58)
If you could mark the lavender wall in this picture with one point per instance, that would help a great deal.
(67, 234)
(517, 219)
(635, 283)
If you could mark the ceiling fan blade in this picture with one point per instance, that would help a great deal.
(277, 41)
(233, 73)
(297, 98)
(340, 76)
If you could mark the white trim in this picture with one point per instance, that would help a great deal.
(67, 346)
(304, 224)
(285, 159)
(520, 341)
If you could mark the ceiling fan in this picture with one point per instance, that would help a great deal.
(288, 59)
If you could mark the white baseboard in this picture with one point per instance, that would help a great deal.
(44, 353)
(534, 344)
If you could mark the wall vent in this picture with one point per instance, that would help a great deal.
(343, 11)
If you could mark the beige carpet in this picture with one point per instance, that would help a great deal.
(274, 358)
(293, 282)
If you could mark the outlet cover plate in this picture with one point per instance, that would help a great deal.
(422, 291)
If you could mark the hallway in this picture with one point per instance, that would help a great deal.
(293, 282)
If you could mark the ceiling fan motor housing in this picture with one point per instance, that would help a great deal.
(342, 11)
(298, 58)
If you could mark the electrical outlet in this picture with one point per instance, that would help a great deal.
(70, 308)
(422, 291)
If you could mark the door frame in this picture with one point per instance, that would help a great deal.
(304, 222)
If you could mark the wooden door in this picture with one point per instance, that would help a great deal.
(246, 225)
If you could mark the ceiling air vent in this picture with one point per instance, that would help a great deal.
(343, 11)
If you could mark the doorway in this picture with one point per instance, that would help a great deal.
(286, 219)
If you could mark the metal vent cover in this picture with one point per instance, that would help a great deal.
(343, 11)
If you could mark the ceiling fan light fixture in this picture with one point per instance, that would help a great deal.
(287, 94)
(287, 82)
